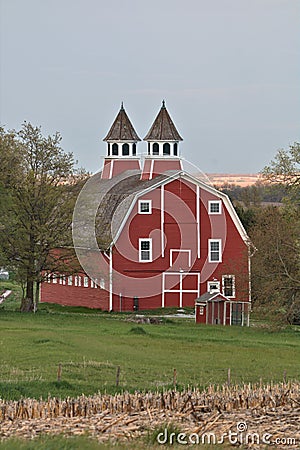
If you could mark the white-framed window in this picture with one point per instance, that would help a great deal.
(145, 250)
(228, 285)
(85, 281)
(95, 283)
(215, 250)
(102, 283)
(213, 286)
(214, 207)
(79, 280)
(54, 278)
(76, 280)
(201, 310)
(64, 279)
(145, 207)
(70, 280)
(60, 279)
(92, 283)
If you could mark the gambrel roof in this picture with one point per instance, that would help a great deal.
(120, 194)
(118, 200)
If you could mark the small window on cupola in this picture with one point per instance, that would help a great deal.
(155, 148)
(166, 148)
(115, 149)
(134, 149)
(175, 149)
(125, 149)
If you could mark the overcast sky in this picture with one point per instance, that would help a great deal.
(229, 71)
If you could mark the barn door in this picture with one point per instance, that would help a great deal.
(180, 289)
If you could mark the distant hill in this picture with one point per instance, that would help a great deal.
(219, 179)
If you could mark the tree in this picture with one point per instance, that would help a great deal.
(285, 170)
(276, 234)
(276, 264)
(38, 191)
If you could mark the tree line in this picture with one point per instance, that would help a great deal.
(275, 232)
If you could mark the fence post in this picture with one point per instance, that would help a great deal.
(118, 376)
(228, 377)
(59, 372)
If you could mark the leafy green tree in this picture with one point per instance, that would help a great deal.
(38, 187)
(285, 170)
(276, 263)
(276, 235)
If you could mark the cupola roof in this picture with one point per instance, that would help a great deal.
(163, 128)
(122, 129)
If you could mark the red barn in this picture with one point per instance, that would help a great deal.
(155, 236)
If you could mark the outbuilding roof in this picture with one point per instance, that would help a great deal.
(209, 296)
(122, 129)
(163, 128)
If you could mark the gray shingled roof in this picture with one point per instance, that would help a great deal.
(163, 128)
(122, 129)
(209, 296)
(117, 201)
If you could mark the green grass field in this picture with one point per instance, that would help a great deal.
(90, 345)
(86, 443)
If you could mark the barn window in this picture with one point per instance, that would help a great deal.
(228, 285)
(145, 250)
(145, 207)
(70, 280)
(92, 283)
(214, 250)
(79, 280)
(125, 149)
(108, 149)
(166, 148)
(213, 286)
(85, 281)
(102, 283)
(64, 279)
(214, 207)
(149, 148)
(54, 279)
(115, 149)
(134, 149)
(201, 310)
(155, 148)
(175, 149)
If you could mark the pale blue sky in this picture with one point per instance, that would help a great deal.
(229, 71)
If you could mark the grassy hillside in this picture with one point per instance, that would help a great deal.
(91, 345)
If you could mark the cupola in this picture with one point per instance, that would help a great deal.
(163, 146)
(121, 146)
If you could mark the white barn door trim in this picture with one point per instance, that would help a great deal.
(181, 291)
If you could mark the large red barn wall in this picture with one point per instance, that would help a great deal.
(132, 278)
(75, 296)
